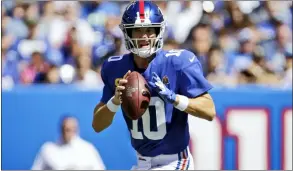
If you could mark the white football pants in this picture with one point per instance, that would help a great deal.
(179, 161)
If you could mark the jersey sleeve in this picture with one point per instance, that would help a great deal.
(107, 91)
(192, 82)
(40, 162)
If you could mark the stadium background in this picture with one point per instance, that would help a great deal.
(51, 55)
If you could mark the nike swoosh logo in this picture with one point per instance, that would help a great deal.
(192, 59)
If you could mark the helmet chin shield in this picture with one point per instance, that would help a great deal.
(144, 52)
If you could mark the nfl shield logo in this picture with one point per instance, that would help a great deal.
(165, 80)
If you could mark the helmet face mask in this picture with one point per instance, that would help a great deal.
(151, 18)
(132, 44)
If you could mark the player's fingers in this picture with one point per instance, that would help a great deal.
(157, 78)
(118, 94)
(154, 79)
(119, 88)
(127, 73)
(155, 75)
(151, 84)
(122, 81)
(159, 85)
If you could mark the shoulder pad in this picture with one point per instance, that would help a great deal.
(181, 58)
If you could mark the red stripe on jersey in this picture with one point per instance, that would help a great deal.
(141, 9)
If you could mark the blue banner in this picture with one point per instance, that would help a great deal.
(30, 117)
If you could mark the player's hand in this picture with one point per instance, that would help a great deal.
(117, 100)
(157, 84)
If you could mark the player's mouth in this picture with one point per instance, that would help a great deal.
(144, 45)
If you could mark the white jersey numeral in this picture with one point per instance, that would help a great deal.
(206, 143)
(250, 128)
(174, 52)
(160, 119)
(287, 140)
(134, 131)
(114, 58)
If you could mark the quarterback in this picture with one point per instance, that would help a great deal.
(178, 89)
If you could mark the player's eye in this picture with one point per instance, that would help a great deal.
(138, 30)
(150, 30)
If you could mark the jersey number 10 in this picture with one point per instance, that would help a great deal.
(146, 122)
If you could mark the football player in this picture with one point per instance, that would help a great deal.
(178, 88)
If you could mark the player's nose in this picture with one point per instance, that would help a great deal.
(145, 36)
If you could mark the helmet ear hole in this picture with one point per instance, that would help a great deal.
(158, 44)
(157, 30)
(129, 32)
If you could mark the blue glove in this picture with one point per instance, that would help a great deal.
(157, 84)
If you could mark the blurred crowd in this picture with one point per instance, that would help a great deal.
(237, 42)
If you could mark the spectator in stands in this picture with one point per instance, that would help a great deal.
(69, 17)
(258, 67)
(10, 73)
(178, 17)
(217, 21)
(170, 44)
(216, 68)
(51, 76)
(70, 48)
(32, 12)
(243, 57)
(62, 31)
(287, 80)
(235, 20)
(105, 20)
(258, 59)
(71, 152)
(31, 43)
(227, 42)
(86, 76)
(278, 11)
(165, 8)
(37, 66)
(45, 20)
(17, 26)
(276, 57)
(201, 43)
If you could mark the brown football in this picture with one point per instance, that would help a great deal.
(136, 96)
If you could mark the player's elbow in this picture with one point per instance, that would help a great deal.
(97, 125)
(211, 117)
(211, 114)
(100, 119)
(96, 128)
(100, 126)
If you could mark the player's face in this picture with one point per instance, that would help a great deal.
(145, 36)
(69, 129)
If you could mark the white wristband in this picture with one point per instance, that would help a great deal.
(183, 103)
(111, 106)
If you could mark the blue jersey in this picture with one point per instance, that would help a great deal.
(162, 129)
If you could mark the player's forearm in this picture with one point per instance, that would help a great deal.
(202, 107)
(103, 118)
